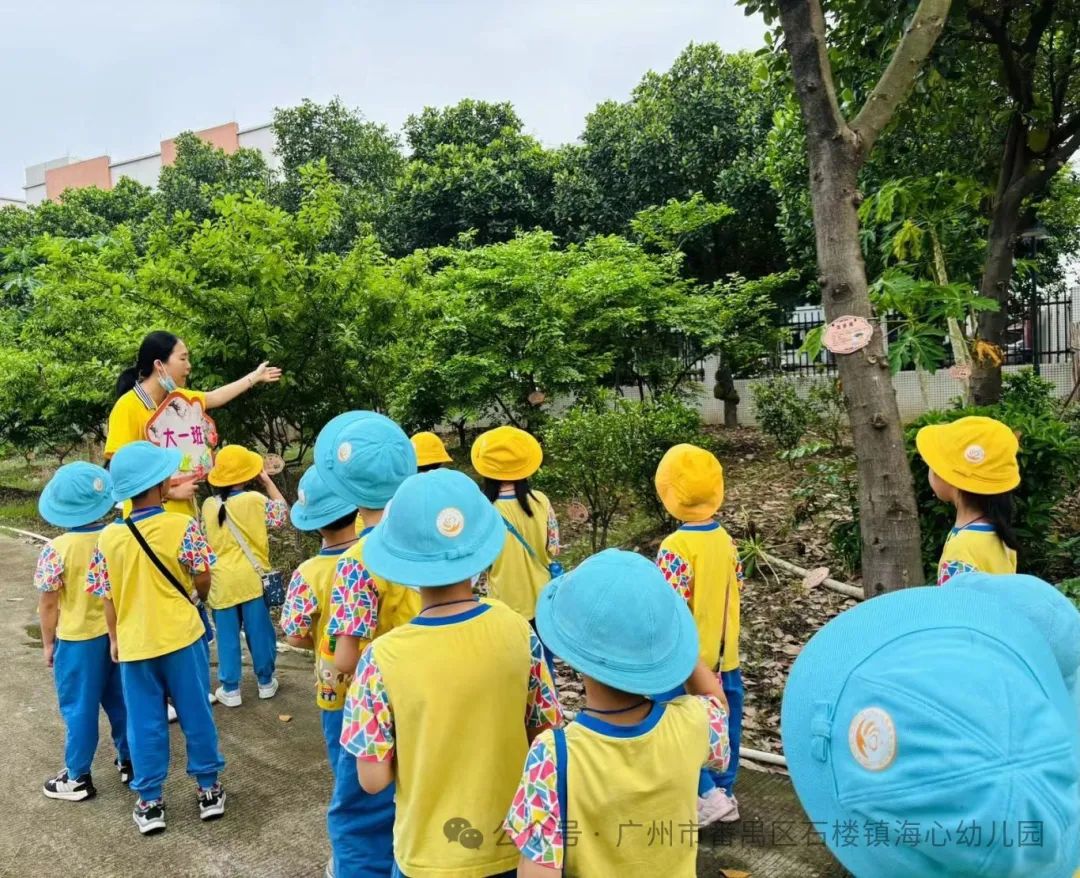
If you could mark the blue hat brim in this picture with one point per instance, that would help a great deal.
(424, 573)
(821, 672)
(325, 458)
(170, 463)
(680, 664)
(60, 518)
(304, 520)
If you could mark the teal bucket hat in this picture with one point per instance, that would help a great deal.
(937, 728)
(316, 505)
(439, 529)
(78, 493)
(615, 618)
(139, 466)
(363, 457)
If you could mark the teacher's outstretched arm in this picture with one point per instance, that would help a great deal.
(263, 374)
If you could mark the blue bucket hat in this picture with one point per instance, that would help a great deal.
(616, 619)
(928, 715)
(439, 529)
(139, 466)
(316, 505)
(363, 457)
(77, 494)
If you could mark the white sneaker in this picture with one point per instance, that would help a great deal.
(172, 713)
(716, 807)
(269, 691)
(213, 698)
(229, 699)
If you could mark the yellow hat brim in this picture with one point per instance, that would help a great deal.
(235, 472)
(528, 459)
(932, 444)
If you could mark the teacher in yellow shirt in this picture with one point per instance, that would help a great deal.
(163, 365)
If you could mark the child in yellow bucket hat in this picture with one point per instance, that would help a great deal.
(973, 467)
(430, 452)
(506, 457)
(237, 521)
(701, 563)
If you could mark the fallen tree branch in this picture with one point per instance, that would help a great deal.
(844, 588)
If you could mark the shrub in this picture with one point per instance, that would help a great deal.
(781, 413)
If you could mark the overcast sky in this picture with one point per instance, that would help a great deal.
(116, 78)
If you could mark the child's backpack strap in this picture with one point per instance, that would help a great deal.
(562, 764)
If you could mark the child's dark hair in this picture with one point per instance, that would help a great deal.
(522, 492)
(343, 522)
(997, 509)
(223, 493)
(157, 345)
(428, 467)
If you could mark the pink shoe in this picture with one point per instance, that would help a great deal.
(715, 807)
(732, 816)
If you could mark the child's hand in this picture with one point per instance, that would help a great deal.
(183, 489)
(48, 649)
(114, 651)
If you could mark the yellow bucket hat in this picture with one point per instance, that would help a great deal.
(974, 454)
(235, 465)
(690, 482)
(506, 453)
(429, 449)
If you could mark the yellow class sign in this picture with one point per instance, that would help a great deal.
(181, 422)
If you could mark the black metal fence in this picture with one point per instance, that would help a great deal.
(1037, 335)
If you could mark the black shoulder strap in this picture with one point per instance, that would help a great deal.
(157, 561)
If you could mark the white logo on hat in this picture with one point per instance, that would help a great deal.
(975, 454)
(99, 485)
(344, 452)
(872, 739)
(450, 522)
(301, 497)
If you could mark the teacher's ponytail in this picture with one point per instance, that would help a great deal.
(157, 345)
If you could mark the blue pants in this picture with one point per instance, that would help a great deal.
(732, 684)
(361, 827)
(87, 680)
(254, 617)
(183, 676)
(511, 874)
(331, 731)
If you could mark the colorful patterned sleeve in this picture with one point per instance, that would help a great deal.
(300, 605)
(719, 744)
(948, 569)
(49, 573)
(354, 602)
(367, 729)
(97, 577)
(553, 544)
(195, 553)
(535, 821)
(677, 572)
(543, 705)
(277, 513)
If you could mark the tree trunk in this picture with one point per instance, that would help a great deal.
(996, 279)
(725, 389)
(888, 515)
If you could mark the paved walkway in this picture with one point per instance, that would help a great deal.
(277, 780)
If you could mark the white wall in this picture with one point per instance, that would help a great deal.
(144, 169)
(262, 139)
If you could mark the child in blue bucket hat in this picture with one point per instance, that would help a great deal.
(305, 613)
(616, 620)
(145, 568)
(930, 732)
(362, 457)
(445, 706)
(74, 635)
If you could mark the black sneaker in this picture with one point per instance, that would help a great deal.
(63, 787)
(127, 771)
(149, 816)
(212, 802)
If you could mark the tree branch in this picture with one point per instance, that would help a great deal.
(998, 32)
(804, 33)
(899, 77)
(1040, 21)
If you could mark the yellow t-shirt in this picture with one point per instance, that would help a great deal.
(449, 699)
(127, 423)
(974, 547)
(517, 576)
(235, 579)
(630, 792)
(702, 564)
(152, 617)
(63, 566)
(305, 612)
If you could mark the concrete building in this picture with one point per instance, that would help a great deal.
(46, 181)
